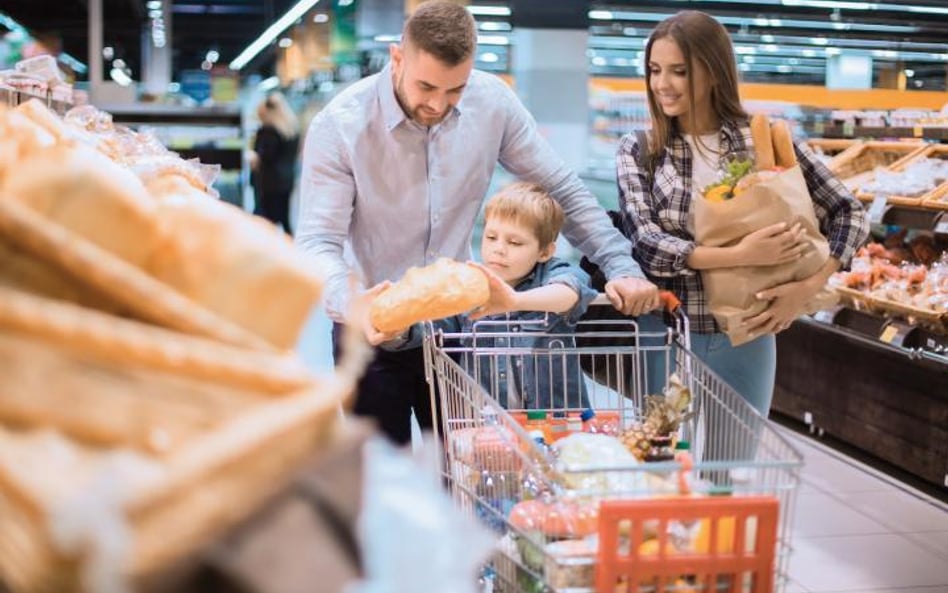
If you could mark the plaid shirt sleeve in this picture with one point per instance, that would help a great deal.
(843, 220)
(660, 254)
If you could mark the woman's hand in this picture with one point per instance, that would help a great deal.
(772, 245)
(787, 302)
(503, 297)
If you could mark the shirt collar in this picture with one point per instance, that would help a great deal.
(392, 112)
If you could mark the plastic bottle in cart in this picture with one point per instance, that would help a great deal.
(594, 424)
(536, 420)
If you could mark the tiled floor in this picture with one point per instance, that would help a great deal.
(859, 531)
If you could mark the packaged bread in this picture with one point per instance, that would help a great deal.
(436, 291)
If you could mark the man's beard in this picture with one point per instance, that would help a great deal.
(415, 113)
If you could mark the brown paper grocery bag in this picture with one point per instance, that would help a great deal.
(731, 291)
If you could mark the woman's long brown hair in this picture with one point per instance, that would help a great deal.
(702, 40)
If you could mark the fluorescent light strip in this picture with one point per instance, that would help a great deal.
(489, 10)
(267, 37)
(831, 4)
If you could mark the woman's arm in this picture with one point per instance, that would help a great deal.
(770, 246)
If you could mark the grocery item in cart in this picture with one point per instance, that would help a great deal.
(442, 289)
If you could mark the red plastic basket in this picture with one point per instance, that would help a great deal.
(730, 563)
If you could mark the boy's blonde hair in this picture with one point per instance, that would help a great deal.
(530, 205)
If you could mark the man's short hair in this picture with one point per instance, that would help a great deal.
(443, 29)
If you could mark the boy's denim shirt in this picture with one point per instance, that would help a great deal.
(543, 379)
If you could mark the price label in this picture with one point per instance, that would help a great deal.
(877, 208)
(918, 131)
(889, 333)
(849, 128)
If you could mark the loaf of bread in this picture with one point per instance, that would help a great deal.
(235, 264)
(442, 289)
(763, 145)
(77, 187)
(783, 144)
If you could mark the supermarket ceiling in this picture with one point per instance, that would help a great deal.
(781, 38)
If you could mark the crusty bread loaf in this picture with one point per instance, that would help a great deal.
(123, 342)
(763, 145)
(84, 191)
(442, 289)
(235, 264)
(783, 144)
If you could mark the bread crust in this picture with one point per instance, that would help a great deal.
(440, 290)
(763, 144)
(783, 144)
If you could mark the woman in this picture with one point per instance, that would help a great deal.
(276, 147)
(697, 125)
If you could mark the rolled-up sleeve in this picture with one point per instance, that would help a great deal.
(587, 226)
(562, 272)
(327, 197)
(843, 220)
(660, 254)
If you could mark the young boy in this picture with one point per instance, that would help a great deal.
(535, 299)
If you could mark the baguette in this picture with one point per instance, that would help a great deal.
(783, 144)
(440, 290)
(763, 145)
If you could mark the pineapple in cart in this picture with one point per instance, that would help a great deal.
(662, 417)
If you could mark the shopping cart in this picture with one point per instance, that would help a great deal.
(606, 522)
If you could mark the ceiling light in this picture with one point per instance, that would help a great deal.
(909, 72)
(489, 10)
(108, 52)
(285, 42)
(321, 17)
(153, 5)
(267, 37)
(205, 65)
(831, 4)
(492, 40)
(212, 56)
(493, 26)
(387, 38)
(601, 15)
(268, 84)
(120, 77)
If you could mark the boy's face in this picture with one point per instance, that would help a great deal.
(511, 250)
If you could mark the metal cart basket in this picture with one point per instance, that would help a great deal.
(716, 518)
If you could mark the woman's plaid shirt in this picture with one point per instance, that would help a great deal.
(656, 212)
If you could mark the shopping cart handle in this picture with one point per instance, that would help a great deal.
(669, 301)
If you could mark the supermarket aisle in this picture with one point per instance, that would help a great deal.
(859, 531)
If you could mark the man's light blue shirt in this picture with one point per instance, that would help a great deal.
(381, 193)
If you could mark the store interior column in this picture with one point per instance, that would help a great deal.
(550, 72)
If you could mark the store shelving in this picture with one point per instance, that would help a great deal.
(212, 134)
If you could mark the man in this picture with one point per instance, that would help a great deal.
(395, 169)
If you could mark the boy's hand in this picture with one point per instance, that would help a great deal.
(372, 335)
(503, 298)
(633, 296)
